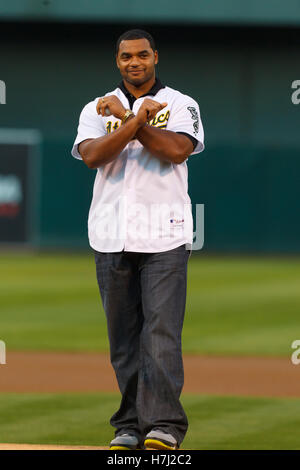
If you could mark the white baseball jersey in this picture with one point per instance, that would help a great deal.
(141, 203)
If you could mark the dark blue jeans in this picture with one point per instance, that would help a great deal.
(144, 297)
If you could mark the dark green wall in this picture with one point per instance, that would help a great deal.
(169, 11)
(241, 78)
(251, 198)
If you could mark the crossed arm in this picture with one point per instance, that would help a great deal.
(165, 145)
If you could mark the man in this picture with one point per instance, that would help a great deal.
(139, 137)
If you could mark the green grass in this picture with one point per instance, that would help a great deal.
(235, 305)
(215, 422)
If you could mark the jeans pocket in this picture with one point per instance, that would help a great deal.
(178, 249)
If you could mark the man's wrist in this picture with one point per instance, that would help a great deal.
(134, 123)
(142, 126)
(140, 123)
(127, 115)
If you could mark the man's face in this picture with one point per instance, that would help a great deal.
(136, 61)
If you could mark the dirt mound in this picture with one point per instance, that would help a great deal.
(47, 447)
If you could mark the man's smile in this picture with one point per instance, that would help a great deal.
(134, 71)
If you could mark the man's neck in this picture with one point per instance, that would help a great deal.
(142, 89)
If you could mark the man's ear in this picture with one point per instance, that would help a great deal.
(155, 57)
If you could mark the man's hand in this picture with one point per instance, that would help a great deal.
(148, 110)
(110, 105)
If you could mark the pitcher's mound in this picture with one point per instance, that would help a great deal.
(47, 447)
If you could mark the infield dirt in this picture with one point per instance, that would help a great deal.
(91, 372)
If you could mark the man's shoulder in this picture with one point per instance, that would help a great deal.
(116, 91)
(176, 95)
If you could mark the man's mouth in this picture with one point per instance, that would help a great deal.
(136, 72)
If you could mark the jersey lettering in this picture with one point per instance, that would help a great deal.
(159, 121)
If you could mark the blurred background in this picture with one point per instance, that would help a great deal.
(239, 61)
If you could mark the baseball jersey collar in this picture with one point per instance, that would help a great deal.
(155, 89)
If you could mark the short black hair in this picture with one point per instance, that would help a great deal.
(135, 34)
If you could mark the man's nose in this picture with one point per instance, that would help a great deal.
(134, 61)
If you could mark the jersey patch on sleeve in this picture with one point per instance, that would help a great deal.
(195, 117)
